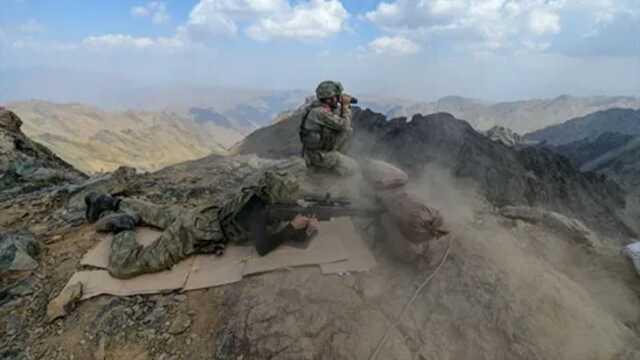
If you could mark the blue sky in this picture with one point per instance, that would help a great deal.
(420, 49)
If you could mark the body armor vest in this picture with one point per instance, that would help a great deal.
(310, 139)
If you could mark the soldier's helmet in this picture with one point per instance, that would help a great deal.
(328, 89)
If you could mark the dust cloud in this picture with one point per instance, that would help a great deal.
(520, 290)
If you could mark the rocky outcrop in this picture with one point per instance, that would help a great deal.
(26, 165)
(504, 136)
(572, 228)
(17, 252)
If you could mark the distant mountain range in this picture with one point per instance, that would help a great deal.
(170, 125)
(605, 142)
(247, 109)
(520, 116)
(623, 121)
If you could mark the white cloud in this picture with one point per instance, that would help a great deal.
(605, 11)
(156, 10)
(544, 22)
(393, 45)
(32, 26)
(480, 24)
(498, 25)
(110, 41)
(140, 11)
(118, 40)
(316, 19)
(265, 19)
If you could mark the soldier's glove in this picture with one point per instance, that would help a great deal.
(348, 99)
(308, 224)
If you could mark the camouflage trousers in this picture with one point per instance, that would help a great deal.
(186, 232)
(331, 161)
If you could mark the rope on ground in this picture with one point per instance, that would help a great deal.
(413, 298)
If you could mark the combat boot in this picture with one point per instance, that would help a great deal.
(97, 204)
(116, 222)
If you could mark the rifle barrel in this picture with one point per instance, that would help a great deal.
(322, 212)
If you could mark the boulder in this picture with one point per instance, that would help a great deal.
(18, 289)
(574, 228)
(382, 175)
(17, 252)
(504, 136)
(417, 222)
(9, 120)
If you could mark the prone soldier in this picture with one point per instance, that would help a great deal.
(205, 230)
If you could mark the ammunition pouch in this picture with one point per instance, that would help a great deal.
(329, 139)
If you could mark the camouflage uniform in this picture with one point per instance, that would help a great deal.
(205, 230)
(332, 132)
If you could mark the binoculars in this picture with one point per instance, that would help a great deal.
(353, 99)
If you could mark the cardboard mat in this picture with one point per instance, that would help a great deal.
(337, 248)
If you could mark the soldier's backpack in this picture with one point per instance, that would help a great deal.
(311, 140)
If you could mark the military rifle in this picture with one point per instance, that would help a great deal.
(322, 208)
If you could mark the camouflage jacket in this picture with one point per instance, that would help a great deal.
(321, 126)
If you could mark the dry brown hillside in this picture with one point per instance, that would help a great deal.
(94, 140)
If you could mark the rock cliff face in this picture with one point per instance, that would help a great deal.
(588, 149)
(26, 165)
(506, 176)
(614, 155)
(608, 143)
